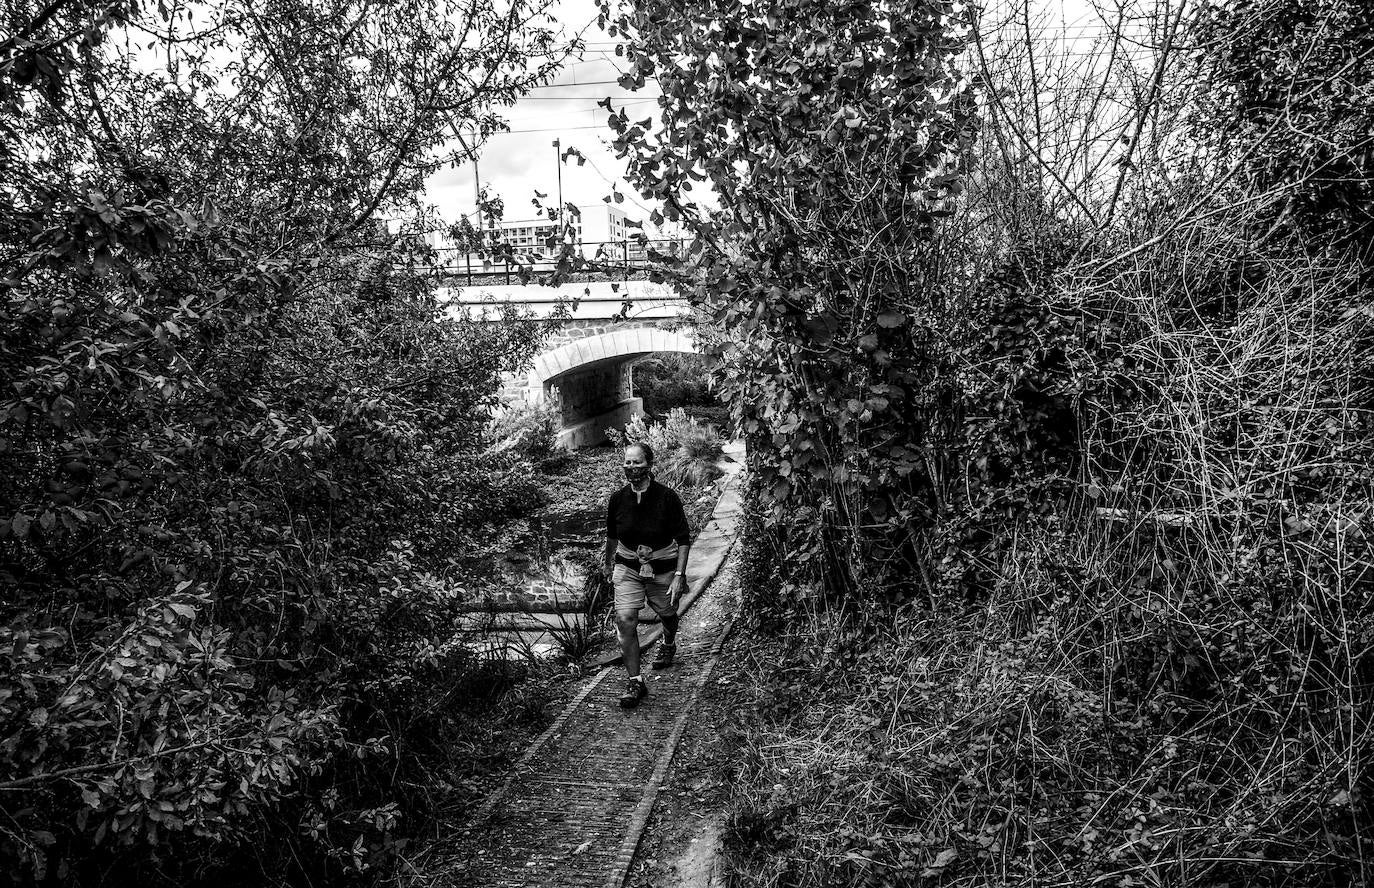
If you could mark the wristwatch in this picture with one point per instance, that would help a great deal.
(678, 573)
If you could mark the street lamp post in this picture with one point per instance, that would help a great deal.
(476, 178)
(562, 222)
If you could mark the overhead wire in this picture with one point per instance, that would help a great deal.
(582, 83)
(615, 189)
(575, 98)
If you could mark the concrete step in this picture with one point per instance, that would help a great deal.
(522, 622)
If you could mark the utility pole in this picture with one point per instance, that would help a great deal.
(477, 190)
(562, 220)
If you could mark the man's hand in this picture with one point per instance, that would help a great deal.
(675, 590)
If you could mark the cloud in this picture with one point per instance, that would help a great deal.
(518, 163)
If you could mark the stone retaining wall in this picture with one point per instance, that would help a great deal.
(563, 589)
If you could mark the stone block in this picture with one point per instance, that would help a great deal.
(567, 357)
(619, 340)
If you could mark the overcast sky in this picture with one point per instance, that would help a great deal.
(517, 163)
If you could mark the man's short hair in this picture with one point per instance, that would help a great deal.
(645, 449)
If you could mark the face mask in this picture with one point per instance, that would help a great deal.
(637, 474)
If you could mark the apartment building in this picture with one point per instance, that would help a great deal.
(593, 228)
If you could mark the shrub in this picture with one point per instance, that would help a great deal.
(670, 380)
(209, 654)
(529, 430)
(685, 451)
(242, 473)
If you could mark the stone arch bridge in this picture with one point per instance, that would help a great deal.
(585, 367)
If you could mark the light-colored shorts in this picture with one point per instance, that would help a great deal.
(631, 590)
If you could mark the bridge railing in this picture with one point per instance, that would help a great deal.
(603, 257)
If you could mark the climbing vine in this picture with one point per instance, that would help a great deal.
(811, 149)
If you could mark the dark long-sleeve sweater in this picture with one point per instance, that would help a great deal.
(653, 518)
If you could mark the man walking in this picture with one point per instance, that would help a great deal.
(647, 541)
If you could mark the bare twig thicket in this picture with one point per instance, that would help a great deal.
(1164, 678)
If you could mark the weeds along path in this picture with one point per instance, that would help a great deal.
(572, 812)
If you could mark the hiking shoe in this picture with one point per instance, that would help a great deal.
(634, 692)
(664, 658)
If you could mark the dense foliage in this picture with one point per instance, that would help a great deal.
(243, 478)
(1059, 435)
(832, 136)
(1057, 400)
(1288, 97)
(673, 380)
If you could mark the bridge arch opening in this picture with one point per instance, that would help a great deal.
(590, 378)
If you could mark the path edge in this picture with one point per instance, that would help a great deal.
(487, 806)
(639, 820)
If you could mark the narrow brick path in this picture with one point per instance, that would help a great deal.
(572, 813)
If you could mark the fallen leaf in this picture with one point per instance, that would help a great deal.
(942, 860)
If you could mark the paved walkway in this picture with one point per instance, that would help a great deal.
(573, 810)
